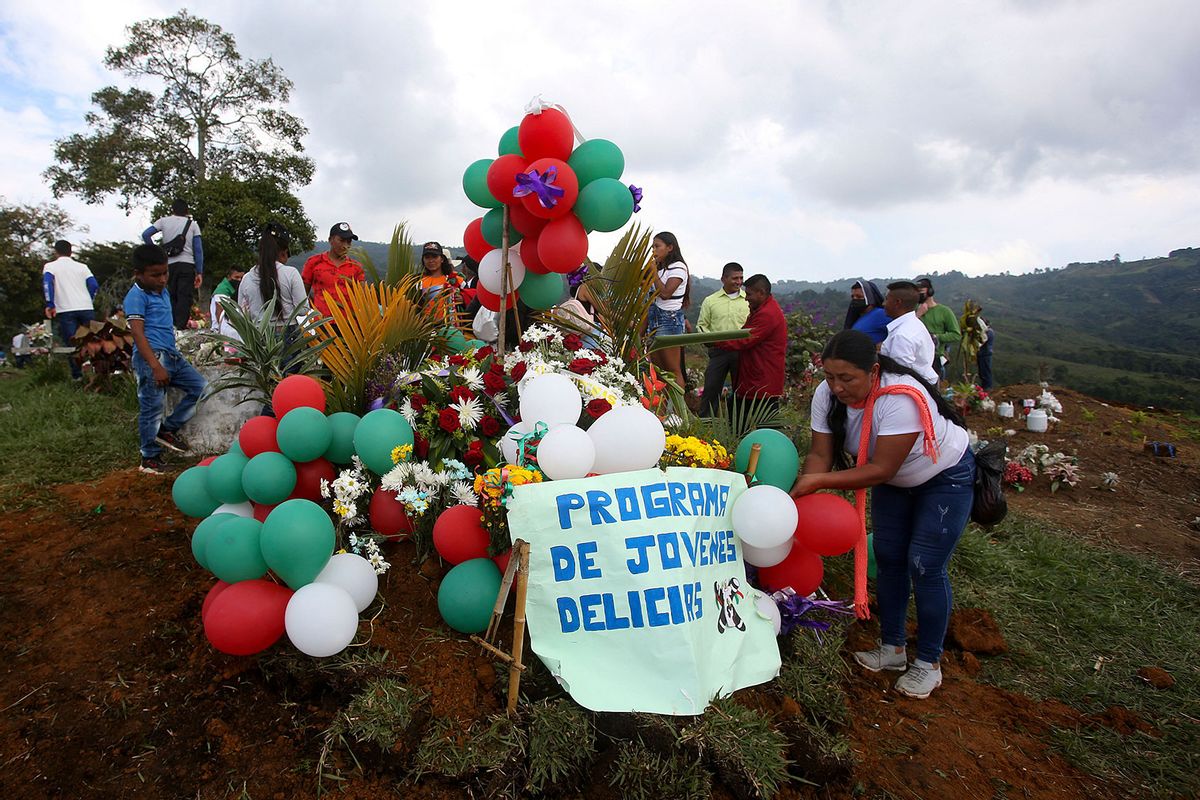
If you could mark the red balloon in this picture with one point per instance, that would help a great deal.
(564, 179)
(258, 436)
(802, 570)
(247, 617)
(502, 177)
(828, 524)
(529, 255)
(217, 588)
(562, 245)
(477, 246)
(388, 515)
(492, 301)
(546, 135)
(204, 462)
(295, 391)
(459, 535)
(308, 479)
(502, 560)
(523, 221)
(261, 512)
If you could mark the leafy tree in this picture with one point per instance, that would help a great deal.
(27, 233)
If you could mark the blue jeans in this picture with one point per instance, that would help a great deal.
(68, 322)
(152, 397)
(665, 323)
(916, 530)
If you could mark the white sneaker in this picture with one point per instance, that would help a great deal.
(884, 656)
(920, 680)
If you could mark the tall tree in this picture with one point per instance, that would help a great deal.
(214, 117)
(26, 235)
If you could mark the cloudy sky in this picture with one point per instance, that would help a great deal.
(812, 140)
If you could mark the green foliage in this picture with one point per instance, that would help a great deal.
(487, 748)
(743, 747)
(621, 293)
(232, 211)
(813, 673)
(642, 774)
(561, 744)
(27, 233)
(382, 714)
(400, 258)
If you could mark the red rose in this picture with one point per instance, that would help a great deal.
(473, 456)
(518, 371)
(525, 347)
(493, 383)
(484, 353)
(598, 407)
(417, 402)
(572, 342)
(457, 361)
(496, 368)
(582, 366)
(448, 420)
(461, 393)
(603, 358)
(420, 446)
(488, 426)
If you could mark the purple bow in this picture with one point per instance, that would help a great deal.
(793, 607)
(637, 198)
(577, 276)
(542, 185)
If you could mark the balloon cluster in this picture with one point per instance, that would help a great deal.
(555, 195)
(260, 508)
(786, 538)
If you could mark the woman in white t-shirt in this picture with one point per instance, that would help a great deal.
(921, 473)
(672, 294)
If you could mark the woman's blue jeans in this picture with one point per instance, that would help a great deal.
(916, 530)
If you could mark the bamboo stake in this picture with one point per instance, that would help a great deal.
(752, 464)
(502, 598)
(505, 275)
(518, 646)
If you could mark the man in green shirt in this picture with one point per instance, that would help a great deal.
(724, 310)
(941, 323)
(228, 287)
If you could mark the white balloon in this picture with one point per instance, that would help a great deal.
(508, 442)
(354, 574)
(321, 619)
(627, 438)
(490, 270)
(764, 556)
(552, 398)
(767, 609)
(566, 452)
(764, 516)
(240, 509)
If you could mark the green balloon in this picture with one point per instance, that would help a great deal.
(191, 495)
(236, 447)
(542, 291)
(468, 593)
(475, 184)
(595, 159)
(207, 527)
(455, 339)
(233, 552)
(778, 463)
(304, 434)
(225, 478)
(269, 478)
(341, 446)
(605, 204)
(472, 344)
(493, 229)
(871, 555)
(509, 144)
(377, 435)
(297, 541)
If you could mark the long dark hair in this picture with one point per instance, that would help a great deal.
(668, 238)
(275, 240)
(857, 348)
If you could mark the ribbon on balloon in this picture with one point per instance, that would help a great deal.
(793, 607)
(537, 105)
(527, 445)
(637, 197)
(541, 185)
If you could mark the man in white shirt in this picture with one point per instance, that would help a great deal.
(185, 264)
(908, 341)
(70, 288)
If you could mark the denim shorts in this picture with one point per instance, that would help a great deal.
(665, 323)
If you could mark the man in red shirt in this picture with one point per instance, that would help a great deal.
(761, 364)
(326, 272)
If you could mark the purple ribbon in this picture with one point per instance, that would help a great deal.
(375, 404)
(577, 276)
(793, 607)
(540, 184)
(637, 198)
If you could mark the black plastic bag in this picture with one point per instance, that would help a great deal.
(990, 506)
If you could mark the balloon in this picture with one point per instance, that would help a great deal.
(304, 434)
(828, 524)
(802, 570)
(477, 246)
(627, 438)
(766, 556)
(245, 509)
(232, 551)
(321, 619)
(212, 595)
(235, 446)
(597, 158)
(204, 531)
(563, 245)
(475, 184)
(529, 255)
(467, 595)
(541, 292)
(546, 134)
(508, 442)
(502, 177)
(564, 178)
(190, 493)
(604, 204)
(224, 478)
(388, 515)
(871, 555)
(459, 535)
(763, 516)
(490, 270)
(297, 391)
(523, 221)
(508, 142)
(491, 301)
(261, 512)
(566, 452)
(379, 433)
(297, 541)
(493, 229)
(501, 561)
(355, 575)
(309, 475)
(269, 478)
(455, 339)
(204, 462)
(258, 436)
(246, 617)
(551, 398)
(341, 448)
(778, 462)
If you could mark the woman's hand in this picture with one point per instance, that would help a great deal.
(806, 484)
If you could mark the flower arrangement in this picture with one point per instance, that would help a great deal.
(420, 487)
(493, 489)
(350, 492)
(970, 397)
(1017, 476)
(1060, 468)
(691, 451)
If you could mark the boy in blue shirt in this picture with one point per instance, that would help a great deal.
(156, 361)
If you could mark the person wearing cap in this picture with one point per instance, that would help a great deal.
(941, 323)
(70, 289)
(327, 272)
(438, 278)
(908, 342)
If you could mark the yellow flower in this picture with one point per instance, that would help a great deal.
(401, 453)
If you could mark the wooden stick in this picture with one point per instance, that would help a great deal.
(497, 652)
(505, 275)
(502, 598)
(521, 553)
(752, 464)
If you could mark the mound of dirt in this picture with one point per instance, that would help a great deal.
(973, 630)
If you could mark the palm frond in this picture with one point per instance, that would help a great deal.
(400, 254)
(686, 339)
(730, 429)
(623, 292)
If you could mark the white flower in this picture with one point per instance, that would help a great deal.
(469, 413)
(463, 494)
(422, 474)
(325, 488)
(1110, 480)
(472, 377)
(406, 410)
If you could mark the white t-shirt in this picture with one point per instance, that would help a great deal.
(171, 227)
(909, 343)
(290, 297)
(676, 269)
(895, 414)
(70, 284)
